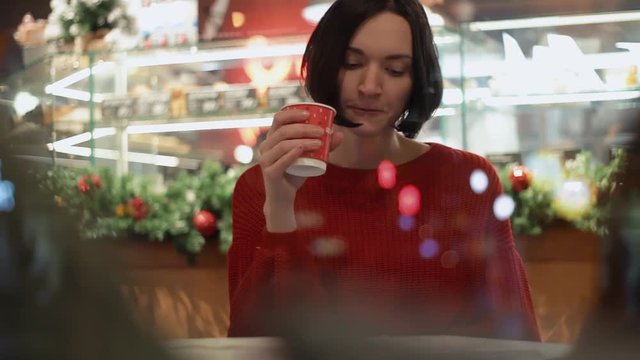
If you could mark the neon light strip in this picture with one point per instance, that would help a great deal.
(59, 87)
(560, 98)
(84, 137)
(73, 94)
(199, 126)
(163, 128)
(187, 126)
(159, 160)
(171, 58)
(548, 21)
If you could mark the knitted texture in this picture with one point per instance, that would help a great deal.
(451, 268)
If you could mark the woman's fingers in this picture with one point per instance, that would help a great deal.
(278, 168)
(287, 138)
(268, 158)
(288, 132)
(282, 118)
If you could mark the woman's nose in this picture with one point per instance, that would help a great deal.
(370, 84)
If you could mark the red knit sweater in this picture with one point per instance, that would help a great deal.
(452, 268)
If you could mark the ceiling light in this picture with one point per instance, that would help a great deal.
(315, 10)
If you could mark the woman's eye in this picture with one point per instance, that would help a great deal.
(395, 72)
(350, 66)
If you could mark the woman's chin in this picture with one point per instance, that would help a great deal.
(370, 130)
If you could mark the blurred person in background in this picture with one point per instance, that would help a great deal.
(345, 243)
(59, 296)
(613, 331)
(10, 63)
(8, 117)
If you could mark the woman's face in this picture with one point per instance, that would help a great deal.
(376, 78)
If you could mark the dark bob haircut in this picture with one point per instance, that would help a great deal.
(325, 52)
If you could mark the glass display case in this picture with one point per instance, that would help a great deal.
(511, 86)
(160, 111)
(553, 83)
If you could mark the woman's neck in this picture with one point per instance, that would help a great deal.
(358, 152)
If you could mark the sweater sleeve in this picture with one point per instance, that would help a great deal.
(506, 279)
(258, 261)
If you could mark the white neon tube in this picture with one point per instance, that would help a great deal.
(159, 160)
(63, 83)
(560, 98)
(199, 126)
(548, 21)
(83, 137)
(171, 58)
(73, 94)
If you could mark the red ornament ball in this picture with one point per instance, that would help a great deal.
(205, 222)
(83, 185)
(520, 178)
(138, 208)
(97, 182)
(86, 182)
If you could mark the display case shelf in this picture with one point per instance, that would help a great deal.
(511, 88)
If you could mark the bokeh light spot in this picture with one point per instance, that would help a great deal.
(479, 181)
(7, 200)
(307, 219)
(406, 222)
(243, 154)
(386, 174)
(429, 248)
(449, 259)
(409, 200)
(503, 207)
(328, 247)
(573, 198)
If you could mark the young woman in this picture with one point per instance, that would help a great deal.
(447, 265)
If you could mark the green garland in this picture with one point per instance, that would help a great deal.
(110, 207)
(537, 208)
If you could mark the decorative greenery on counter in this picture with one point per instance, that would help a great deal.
(188, 210)
(194, 208)
(581, 199)
(72, 18)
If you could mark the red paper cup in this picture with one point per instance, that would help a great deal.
(314, 163)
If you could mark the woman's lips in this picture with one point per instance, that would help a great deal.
(358, 111)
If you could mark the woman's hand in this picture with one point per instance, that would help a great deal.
(286, 140)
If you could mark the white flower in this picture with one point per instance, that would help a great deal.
(91, 3)
(74, 30)
(190, 196)
(68, 14)
(115, 14)
(52, 31)
(58, 4)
